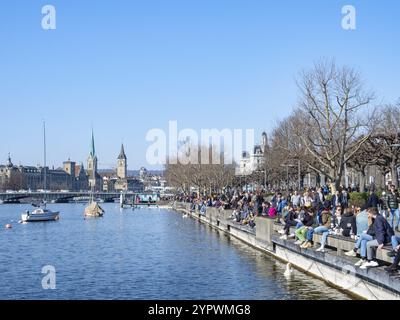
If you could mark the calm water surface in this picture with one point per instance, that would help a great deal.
(141, 254)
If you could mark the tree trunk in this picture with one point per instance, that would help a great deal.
(395, 178)
(362, 181)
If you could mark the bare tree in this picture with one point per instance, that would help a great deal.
(385, 140)
(330, 120)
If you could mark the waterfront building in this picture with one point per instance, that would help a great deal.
(251, 162)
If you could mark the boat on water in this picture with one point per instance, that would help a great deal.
(41, 213)
(123, 203)
(94, 210)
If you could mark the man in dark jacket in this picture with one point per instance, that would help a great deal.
(383, 235)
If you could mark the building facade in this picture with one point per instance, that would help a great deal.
(32, 178)
(255, 160)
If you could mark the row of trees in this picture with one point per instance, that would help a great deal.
(334, 127)
(206, 178)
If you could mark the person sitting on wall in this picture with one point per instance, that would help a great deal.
(361, 243)
(290, 221)
(383, 236)
(272, 212)
(348, 225)
(265, 209)
(308, 222)
(203, 208)
(323, 229)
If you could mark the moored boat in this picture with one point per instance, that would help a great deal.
(40, 214)
(94, 210)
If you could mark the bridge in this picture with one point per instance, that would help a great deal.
(17, 197)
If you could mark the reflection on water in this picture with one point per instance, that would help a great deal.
(141, 254)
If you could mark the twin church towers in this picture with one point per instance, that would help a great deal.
(95, 179)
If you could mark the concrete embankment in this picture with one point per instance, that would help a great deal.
(332, 267)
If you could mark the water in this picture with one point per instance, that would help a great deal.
(142, 254)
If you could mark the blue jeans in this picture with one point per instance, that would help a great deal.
(394, 213)
(395, 242)
(319, 230)
(299, 225)
(362, 242)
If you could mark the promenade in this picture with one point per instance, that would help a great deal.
(332, 266)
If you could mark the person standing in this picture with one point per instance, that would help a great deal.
(295, 200)
(373, 200)
(392, 202)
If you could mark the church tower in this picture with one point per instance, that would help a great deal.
(264, 145)
(122, 166)
(92, 164)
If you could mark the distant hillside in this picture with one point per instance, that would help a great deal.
(133, 173)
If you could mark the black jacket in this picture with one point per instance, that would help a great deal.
(348, 224)
(383, 231)
(308, 220)
(291, 216)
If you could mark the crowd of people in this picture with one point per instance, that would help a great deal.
(317, 212)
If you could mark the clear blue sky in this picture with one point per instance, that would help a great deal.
(128, 66)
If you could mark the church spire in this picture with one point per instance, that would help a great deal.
(9, 162)
(92, 147)
(122, 155)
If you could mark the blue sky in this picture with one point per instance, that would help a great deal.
(129, 66)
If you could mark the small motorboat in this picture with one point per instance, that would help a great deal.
(40, 214)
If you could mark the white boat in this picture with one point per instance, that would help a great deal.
(122, 202)
(40, 214)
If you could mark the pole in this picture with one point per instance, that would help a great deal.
(299, 172)
(44, 165)
(44, 157)
(265, 179)
(287, 177)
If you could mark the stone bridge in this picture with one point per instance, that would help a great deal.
(62, 196)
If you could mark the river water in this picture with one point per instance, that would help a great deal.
(141, 254)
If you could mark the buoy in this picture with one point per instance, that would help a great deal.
(8, 226)
(289, 270)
